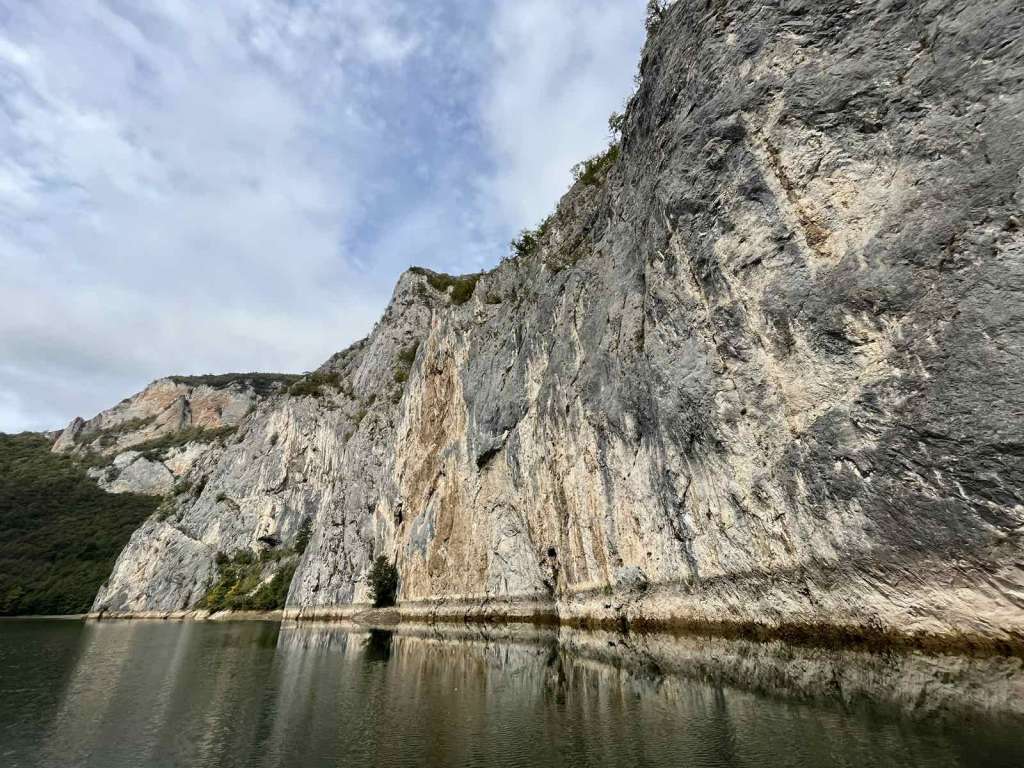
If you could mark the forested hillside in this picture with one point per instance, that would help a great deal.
(61, 533)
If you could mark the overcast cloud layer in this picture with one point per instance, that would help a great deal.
(191, 187)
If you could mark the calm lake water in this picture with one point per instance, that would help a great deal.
(258, 694)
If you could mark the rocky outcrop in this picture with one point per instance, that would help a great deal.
(760, 367)
(169, 407)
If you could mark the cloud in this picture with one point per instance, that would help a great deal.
(562, 67)
(189, 187)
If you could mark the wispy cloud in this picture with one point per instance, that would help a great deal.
(190, 187)
(561, 69)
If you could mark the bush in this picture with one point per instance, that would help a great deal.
(245, 557)
(158, 447)
(312, 385)
(462, 286)
(593, 170)
(616, 123)
(238, 586)
(303, 536)
(529, 239)
(165, 510)
(655, 13)
(463, 289)
(262, 383)
(405, 360)
(383, 578)
(408, 355)
(271, 595)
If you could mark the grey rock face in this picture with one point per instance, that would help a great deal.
(767, 370)
(166, 407)
(131, 473)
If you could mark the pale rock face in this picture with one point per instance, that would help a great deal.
(766, 371)
(180, 460)
(165, 407)
(131, 473)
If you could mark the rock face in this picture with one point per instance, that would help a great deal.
(763, 366)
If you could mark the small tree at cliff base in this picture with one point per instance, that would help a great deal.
(383, 578)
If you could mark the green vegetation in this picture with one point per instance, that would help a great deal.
(655, 14)
(239, 586)
(462, 285)
(408, 355)
(59, 533)
(131, 425)
(529, 239)
(593, 170)
(312, 385)
(616, 124)
(364, 410)
(383, 578)
(166, 508)
(262, 383)
(108, 435)
(405, 360)
(157, 447)
(302, 537)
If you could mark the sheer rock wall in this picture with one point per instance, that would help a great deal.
(766, 369)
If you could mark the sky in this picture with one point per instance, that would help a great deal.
(197, 187)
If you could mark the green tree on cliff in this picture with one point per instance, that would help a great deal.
(383, 579)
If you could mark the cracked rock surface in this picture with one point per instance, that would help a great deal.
(767, 369)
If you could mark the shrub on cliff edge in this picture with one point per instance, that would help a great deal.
(383, 578)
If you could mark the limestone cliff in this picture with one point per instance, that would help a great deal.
(762, 364)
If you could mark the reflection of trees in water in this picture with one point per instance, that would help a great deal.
(377, 645)
(554, 677)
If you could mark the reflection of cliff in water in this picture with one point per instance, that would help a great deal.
(553, 660)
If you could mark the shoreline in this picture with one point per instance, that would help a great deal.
(802, 635)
